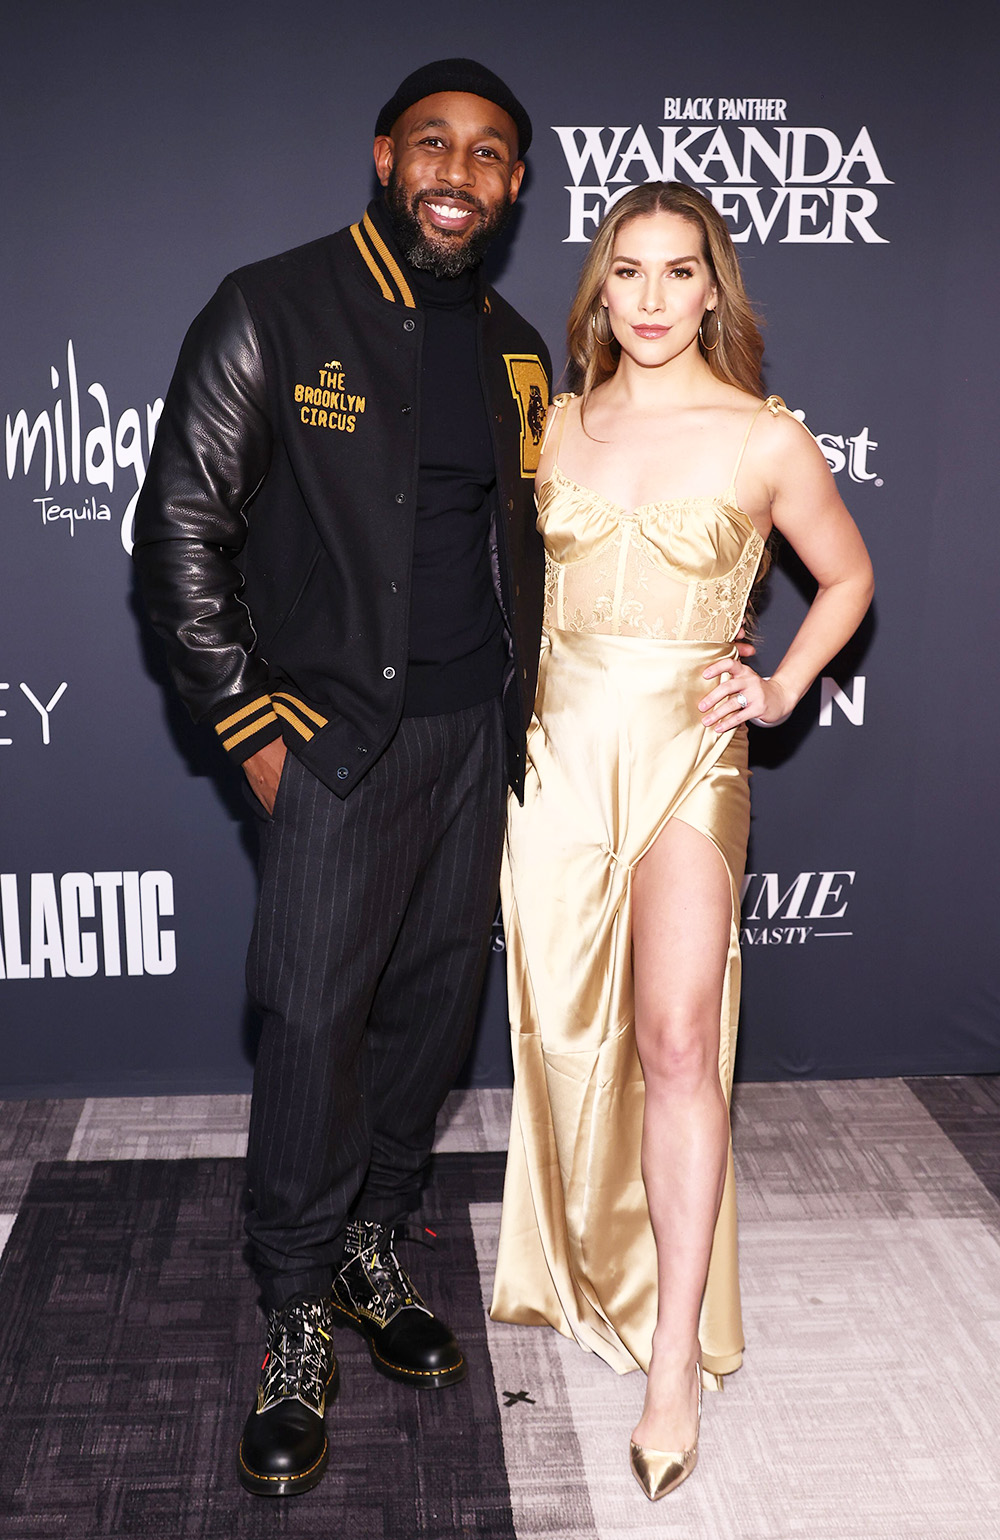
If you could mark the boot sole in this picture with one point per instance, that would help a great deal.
(421, 1379)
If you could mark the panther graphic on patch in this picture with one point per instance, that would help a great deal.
(535, 413)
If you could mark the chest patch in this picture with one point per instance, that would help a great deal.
(329, 403)
(530, 390)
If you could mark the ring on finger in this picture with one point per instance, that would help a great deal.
(742, 701)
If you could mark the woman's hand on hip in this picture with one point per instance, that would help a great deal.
(742, 696)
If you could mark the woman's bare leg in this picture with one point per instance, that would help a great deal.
(681, 917)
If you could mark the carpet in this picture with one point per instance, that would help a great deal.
(867, 1410)
(129, 1347)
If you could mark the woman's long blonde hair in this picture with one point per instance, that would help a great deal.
(736, 359)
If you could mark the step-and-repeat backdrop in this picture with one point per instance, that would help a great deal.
(149, 149)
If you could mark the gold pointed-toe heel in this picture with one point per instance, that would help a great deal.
(659, 1471)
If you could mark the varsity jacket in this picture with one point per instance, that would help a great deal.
(274, 530)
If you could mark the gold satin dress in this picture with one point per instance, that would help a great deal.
(637, 604)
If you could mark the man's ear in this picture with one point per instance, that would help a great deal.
(384, 152)
(516, 173)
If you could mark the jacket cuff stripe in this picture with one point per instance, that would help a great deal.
(301, 707)
(390, 262)
(248, 732)
(289, 716)
(372, 264)
(244, 711)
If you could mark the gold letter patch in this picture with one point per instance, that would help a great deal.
(530, 390)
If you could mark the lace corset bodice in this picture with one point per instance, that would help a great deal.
(677, 570)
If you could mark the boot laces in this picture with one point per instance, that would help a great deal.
(299, 1356)
(376, 1248)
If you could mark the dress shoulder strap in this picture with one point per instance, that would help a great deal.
(774, 405)
(557, 413)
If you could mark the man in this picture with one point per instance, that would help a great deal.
(336, 540)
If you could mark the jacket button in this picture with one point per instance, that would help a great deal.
(343, 773)
(394, 588)
(390, 673)
(499, 417)
(401, 497)
(362, 749)
(405, 408)
(510, 505)
(408, 325)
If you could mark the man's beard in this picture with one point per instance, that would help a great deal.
(446, 255)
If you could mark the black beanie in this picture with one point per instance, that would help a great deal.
(456, 75)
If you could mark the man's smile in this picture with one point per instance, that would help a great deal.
(449, 213)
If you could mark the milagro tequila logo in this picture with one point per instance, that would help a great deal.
(770, 180)
(78, 461)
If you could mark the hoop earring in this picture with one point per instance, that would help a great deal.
(605, 342)
(710, 347)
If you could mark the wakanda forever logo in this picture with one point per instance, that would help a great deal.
(767, 178)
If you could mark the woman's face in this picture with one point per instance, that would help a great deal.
(658, 288)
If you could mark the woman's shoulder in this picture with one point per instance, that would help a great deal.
(775, 408)
(778, 439)
(769, 412)
(778, 422)
(555, 422)
(736, 400)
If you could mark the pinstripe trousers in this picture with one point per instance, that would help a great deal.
(366, 964)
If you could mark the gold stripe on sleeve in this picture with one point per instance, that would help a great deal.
(283, 711)
(244, 711)
(248, 732)
(300, 705)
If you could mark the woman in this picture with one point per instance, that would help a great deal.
(657, 490)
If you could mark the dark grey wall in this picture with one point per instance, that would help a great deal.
(148, 149)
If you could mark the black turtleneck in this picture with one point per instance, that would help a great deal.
(456, 648)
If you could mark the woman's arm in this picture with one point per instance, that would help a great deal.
(807, 509)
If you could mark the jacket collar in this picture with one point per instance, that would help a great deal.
(374, 239)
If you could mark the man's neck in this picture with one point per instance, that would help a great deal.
(431, 290)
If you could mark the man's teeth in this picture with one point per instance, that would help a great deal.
(447, 211)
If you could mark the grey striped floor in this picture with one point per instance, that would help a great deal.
(870, 1241)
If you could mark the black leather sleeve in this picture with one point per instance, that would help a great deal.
(211, 452)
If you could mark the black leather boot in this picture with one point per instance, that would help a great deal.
(373, 1293)
(284, 1448)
